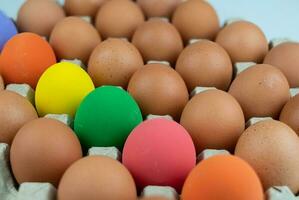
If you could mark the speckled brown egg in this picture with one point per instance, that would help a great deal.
(119, 18)
(97, 178)
(205, 63)
(244, 42)
(113, 62)
(158, 40)
(82, 7)
(290, 113)
(42, 150)
(272, 149)
(158, 8)
(159, 90)
(196, 20)
(286, 57)
(39, 16)
(15, 111)
(262, 90)
(214, 119)
(74, 38)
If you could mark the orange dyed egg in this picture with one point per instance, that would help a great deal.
(222, 177)
(24, 58)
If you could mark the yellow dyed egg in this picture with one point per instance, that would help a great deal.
(61, 89)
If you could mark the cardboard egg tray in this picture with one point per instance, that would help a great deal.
(45, 191)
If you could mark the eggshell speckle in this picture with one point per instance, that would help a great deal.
(262, 90)
(206, 64)
(271, 148)
(113, 62)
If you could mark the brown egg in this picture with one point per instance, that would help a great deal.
(39, 16)
(113, 62)
(97, 178)
(73, 38)
(159, 90)
(158, 8)
(82, 7)
(119, 18)
(42, 150)
(262, 90)
(196, 19)
(272, 149)
(205, 63)
(244, 42)
(286, 57)
(2, 85)
(158, 40)
(15, 111)
(290, 113)
(214, 119)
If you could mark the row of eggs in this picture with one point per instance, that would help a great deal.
(213, 118)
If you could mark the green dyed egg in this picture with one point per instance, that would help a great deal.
(106, 117)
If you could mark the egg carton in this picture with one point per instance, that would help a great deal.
(76, 62)
(254, 120)
(148, 117)
(22, 89)
(158, 62)
(241, 66)
(200, 89)
(294, 91)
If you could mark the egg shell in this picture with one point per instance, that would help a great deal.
(222, 177)
(82, 8)
(290, 113)
(23, 63)
(15, 111)
(157, 84)
(64, 85)
(8, 29)
(153, 147)
(205, 63)
(214, 120)
(106, 117)
(244, 42)
(39, 16)
(2, 85)
(196, 19)
(286, 58)
(113, 62)
(74, 38)
(112, 22)
(42, 150)
(262, 90)
(97, 178)
(271, 148)
(166, 39)
(158, 8)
